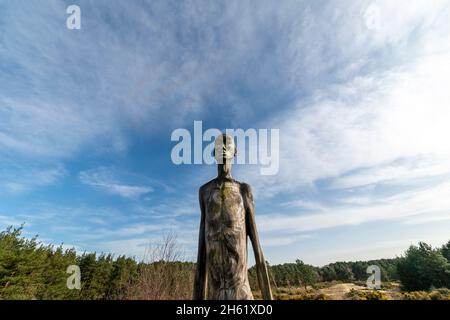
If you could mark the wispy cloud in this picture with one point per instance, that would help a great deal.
(303, 204)
(7, 221)
(401, 172)
(405, 206)
(136, 247)
(381, 96)
(104, 179)
(371, 121)
(274, 240)
(16, 179)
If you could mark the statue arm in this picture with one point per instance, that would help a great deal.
(261, 267)
(200, 281)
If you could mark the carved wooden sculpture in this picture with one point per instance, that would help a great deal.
(227, 218)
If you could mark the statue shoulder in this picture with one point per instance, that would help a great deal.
(246, 189)
(247, 195)
(206, 186)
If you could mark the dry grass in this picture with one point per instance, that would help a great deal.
(163, 277)
(351, 291)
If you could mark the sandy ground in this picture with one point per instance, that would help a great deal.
(338, 291)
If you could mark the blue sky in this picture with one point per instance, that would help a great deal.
(358, 90)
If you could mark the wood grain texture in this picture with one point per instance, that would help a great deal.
(227, 218)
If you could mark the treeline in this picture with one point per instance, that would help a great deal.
(299, 274)
(31, 270)
(421, 268)
(357, 271)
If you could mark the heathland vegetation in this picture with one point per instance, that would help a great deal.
(32, 270)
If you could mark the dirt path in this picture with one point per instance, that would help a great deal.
(338, 291)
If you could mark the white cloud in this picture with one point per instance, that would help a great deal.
(407, 206)
(307, 205)
(137, 247)
(70, 91)
(393, 173)
(385, 127)
(387, 101)
(370, 122)
(172, 207)
(104, 179)
(124, 82)
(274, 240)
(15, 179)
(131, 230)
(166, 59)
(442, 215)
(6, 221)
(45, 129)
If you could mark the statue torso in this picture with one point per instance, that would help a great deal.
(226, 240)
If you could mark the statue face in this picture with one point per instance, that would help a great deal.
(224, 148)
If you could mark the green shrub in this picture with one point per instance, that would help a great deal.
(422, 268)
